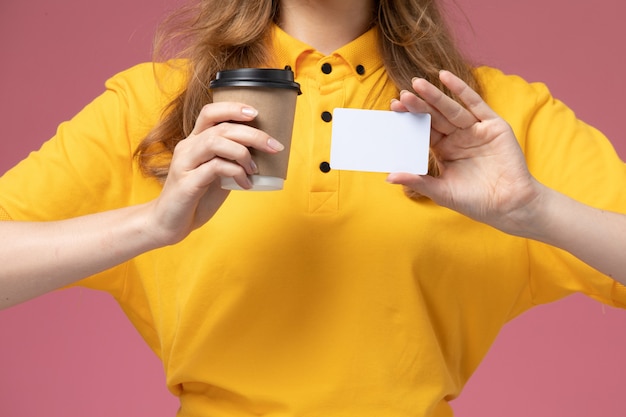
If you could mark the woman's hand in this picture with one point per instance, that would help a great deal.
(216, 148)
(483, 170)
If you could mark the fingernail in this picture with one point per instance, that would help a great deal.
(249, 111)
(253, 167)
(275, 145)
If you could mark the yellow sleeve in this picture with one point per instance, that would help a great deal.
(88, 165)
(572, 157)
(83, 169)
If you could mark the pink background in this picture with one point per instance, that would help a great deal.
(73, 353)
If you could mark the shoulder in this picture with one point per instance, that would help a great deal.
(510, 92)
(150, 82)
(527, 106)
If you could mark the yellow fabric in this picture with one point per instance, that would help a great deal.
(337, 296)
(4, 215)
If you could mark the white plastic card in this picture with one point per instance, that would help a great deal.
(380, 141)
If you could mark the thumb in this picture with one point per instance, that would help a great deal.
(425, 185)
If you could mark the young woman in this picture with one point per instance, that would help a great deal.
(342, 293)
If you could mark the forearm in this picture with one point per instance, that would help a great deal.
(595, 236)
(40, 257)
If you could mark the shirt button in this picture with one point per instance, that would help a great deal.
(325, 167)
(360, 69)
(327, 116)
(327, 68)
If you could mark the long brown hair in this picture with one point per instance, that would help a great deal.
(213, 35)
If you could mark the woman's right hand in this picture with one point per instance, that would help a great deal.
(217, 147)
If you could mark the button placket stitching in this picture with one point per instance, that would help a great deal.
(325, 181)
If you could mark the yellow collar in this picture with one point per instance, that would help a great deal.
(361, 52)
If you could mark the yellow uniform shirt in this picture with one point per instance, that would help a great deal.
(338, 296)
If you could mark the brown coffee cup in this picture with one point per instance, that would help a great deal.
(273, 93)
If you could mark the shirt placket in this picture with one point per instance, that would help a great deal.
(330, 74)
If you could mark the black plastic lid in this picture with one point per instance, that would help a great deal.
(256, 77)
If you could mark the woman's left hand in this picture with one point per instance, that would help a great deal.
(483, 170)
